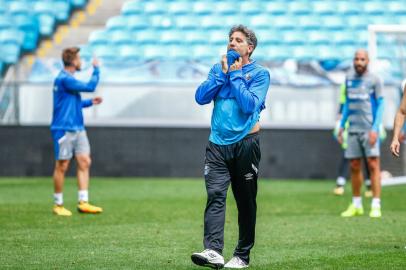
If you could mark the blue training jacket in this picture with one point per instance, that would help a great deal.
(239, 97)
(68, 104)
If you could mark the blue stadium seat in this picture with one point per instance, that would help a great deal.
(138, 22)
(249, 8)
(147, 37)
(203, 8)
(117, 23)
(269, 36)
(285, 22)
(196, 37)
(344, 38)
(300, 8)
(296, 38)
(212, 22)
(155, 7)
(201, 52)
(180, 52)
(171, 37)
(187, 22)
(348, 8)
(129, 53)
(30, 27)
(303, 53)
(276, 7)
(121, 37)
(78, 3)
(131, 8)
(374, 7)
(218, 37)
(10, 44)
(100, 37)
(311, 22)
(277, 53)
(86, 52)
(324, 7)
(46, 18)
(180, 7)
(397, 8)
(260, 22)
(19, 7)
(161, 22)
(105, 53)
(154, 52)
(333, 23)
(225, 8)
(357, 22)
(318, 38)
(62, 10)
(6, 22)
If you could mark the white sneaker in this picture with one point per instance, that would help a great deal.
(236, 263)
(208, 258)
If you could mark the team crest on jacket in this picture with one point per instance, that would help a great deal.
(247, 76)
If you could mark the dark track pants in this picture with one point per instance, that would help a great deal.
(236, 164)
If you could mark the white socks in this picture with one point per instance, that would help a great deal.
(58, 198)
(83, 195)
(376, 202)
(340, 181)
(357, 202)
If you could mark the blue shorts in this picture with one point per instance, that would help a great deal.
(69, 143)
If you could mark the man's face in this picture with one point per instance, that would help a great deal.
(361, 61)
(77, 62)
(238, 42)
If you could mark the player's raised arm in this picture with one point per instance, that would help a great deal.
(208, 90)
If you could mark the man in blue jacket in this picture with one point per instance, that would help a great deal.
(238, 90)
(68, 130)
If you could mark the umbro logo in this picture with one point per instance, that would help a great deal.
(249, 176)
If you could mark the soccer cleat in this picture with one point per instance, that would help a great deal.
(61, 211)
(85, 207)
(368, 194)
(375, 212)
(339, 191)
(352, 211)
(208, 258)
(236, 263)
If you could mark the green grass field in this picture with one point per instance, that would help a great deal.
(158, 223)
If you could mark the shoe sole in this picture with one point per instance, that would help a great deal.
(88, 212)
(202, 261)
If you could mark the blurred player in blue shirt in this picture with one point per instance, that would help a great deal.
(237, 86)
(68, 130)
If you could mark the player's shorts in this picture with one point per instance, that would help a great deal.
(69, 143)
(358, 146)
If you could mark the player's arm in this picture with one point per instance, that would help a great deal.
(344, 117)
(87, 103)
(373, 134)
(397, 126)
(92, 101)
(74, 85)
(249, 99)
(208, 90)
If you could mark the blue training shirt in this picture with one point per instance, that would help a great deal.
(239, 97)
(68, 104)
(364, 102)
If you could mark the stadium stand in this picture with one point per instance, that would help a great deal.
(325, 31)
(24, 22)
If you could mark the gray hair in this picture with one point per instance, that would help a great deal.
(248, 33)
